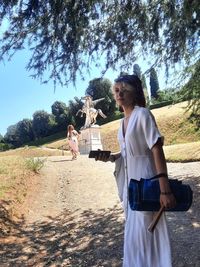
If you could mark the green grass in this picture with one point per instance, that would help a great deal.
(13, 177)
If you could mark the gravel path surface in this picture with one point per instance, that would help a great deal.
(72, 217)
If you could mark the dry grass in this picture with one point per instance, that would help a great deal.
(173, 124)
(183, 152)
(14, 176)
(15, 179)
(16, 172)
(33, 152)
(60, 144)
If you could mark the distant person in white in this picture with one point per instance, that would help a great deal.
(72, 136)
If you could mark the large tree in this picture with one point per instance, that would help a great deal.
(66, 36)
(191, 91)
(41, 123)
(144, 85)
(154, 84)
(60, 111)
(74, 106)
(101, 88)
(11, 136)
(24, 131)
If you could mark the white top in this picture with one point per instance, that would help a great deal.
(141, 134)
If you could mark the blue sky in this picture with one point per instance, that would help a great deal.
(21, 95)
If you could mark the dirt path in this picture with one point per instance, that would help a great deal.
(73, 218)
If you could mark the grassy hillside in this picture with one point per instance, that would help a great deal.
(173, 124)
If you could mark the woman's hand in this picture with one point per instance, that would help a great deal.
(167, 200)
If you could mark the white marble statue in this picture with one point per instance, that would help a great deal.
(90, 112)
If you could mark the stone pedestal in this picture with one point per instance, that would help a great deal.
(90, 139)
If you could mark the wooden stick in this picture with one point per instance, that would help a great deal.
(156, 219)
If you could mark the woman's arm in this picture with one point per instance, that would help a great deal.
(166, 197)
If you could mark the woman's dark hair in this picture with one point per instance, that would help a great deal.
(70, 127)
(134, 81)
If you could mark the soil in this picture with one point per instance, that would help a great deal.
(72, 217)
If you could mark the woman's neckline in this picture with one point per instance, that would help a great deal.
(127, 117)
(129, 114)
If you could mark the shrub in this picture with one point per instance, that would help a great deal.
(35, 164)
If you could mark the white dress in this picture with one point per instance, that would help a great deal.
(73, 141)
(141, 248)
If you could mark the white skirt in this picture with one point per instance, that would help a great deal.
(143, 248)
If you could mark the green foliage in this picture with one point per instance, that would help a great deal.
(161, 104)
(41, 123)
(154, 84)
(144, 84)
(61, 114)
(191, 91)
(168, 95)
(11, 135)
(35, 164)
(24, 131)
(66, 36)
(4, 146)
(74, 106)
(114, 116)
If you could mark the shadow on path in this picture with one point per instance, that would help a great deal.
(94, 238)
(70, 239)
(185, 229)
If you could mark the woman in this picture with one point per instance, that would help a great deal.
(72, 136)
(142, 153)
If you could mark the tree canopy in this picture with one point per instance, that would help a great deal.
(101, 88)
(60, 111)
(41, 123)
(65, 37)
